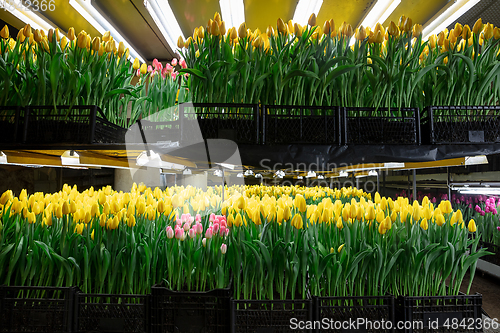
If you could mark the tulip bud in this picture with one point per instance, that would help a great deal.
(214, 29)
(312, 20)
(326, 27)
(333, 32)
(340, 248)
(488, 31)
(424, 225)
(440, 39)
(71, 34)
(217, 18)
(297, 30)
(379, 38)
(234, 33)
(82, 41)
(393, 29)
(407, 25)
(5, 32)
(180, 42)
(242, 30)
(64, 42)
(223, 248)
(472, 226)
(281, 26)
(20, 36)
(144, 69)
(106, 37)
(401, 22)
(27, 30)
(121, 49)
(457, 30)
(222, 28)
(188, 42)
(270, 31)
(96, 44)
(417, 30)
(65, 208)
(478, 26)
(360, 33)
(89, 41)
(466, 32)
(136, 66)
(496, 33)
(201, 32)
(50, 35)
(38, 36)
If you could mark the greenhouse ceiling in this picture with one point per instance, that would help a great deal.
(151, 27)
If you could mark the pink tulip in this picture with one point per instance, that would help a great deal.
(179, 233)
(498, 228)
(192, 233)
(434, 200)
(186, 226)
(174, 62)
(227, 231)
(183, 63)
(198, 218)
(204, 242)
(482, 213)
(178, 221)
(169, 68)
(138, 73)
(199, 228)
(150, 69)
(211, 219)
(170, 232)
(190, 219)
(209, 232)
(223, 248)
(215, 228)
(222, 230)
(223, 223)
(174, 75)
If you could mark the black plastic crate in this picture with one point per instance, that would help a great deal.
(461, 124)
(355, 314)
(439, 313)
(190, 312)
(77, 124)
(495, 258)
(36, 309)
(111, 313)
(381, 126)
(266, 316)
(231, 121)
(11, 120)
(283, 124)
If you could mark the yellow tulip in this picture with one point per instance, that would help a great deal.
(466, 32)
(222, 28)
(340, 248)
(234, 33)
(238, 221)
(64, 42)
(144, 69)
(417, 30)
(339, 223)
(281, 26)
(106, 37)
(31, 217)
(312, 20)
(424, 225)
(370, 213)
(439, 219)
(92, 234)
(297, 29)
(131, 221)
(381, 229)
(472, 226)
(96, 44)
(297, 221)
(214, 29)
(242, 30)
(478, 26)
(360, 33)
(103, 220)
(488, 31)
(300, 203)
(5, 32)
(393, 29)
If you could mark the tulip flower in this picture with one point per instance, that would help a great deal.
(472, 226)
(312, 20)
(209, 233)
(170, 232)
(223, 248)
(4, 33)
(340, 248)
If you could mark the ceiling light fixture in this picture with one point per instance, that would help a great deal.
(153, 160)
(240, 175)
(343, 174)
(26, 14)
(70, 157)
(379, 12)
(300, 177)
(321, 177)
(3, 158)
(233, 12)
(479, 190)
(304, 9)
(372, 173)
(218, 173)
(187, 172)
(165, 20)
(450, 15)
(280, 174)
(311, 174)
(92, 15)
(248, 172)
(258, 175)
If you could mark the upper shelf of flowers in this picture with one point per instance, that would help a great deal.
(381, 71)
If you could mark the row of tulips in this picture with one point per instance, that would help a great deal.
(278, 242)
(389, 66)
(48, 68)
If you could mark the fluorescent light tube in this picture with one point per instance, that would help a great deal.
(311, 174)
(304, 10)
(379, 12)
(343, 174)
(165, 20)
(92, 15)
(3, 158)
(25, 14)
(233, 12)
(479, 190)
(449, 16)
(372, 173)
